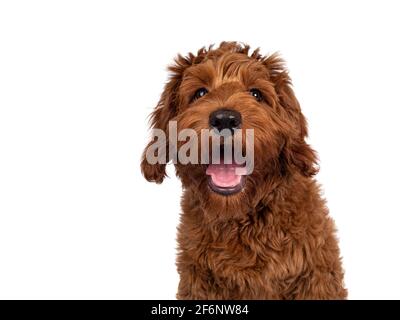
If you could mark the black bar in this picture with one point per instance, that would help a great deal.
(171, 309)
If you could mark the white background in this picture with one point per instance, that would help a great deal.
(77, 81)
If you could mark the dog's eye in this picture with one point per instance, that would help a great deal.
(199, 93)
(257, 94)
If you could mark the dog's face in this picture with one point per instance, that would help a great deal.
(229, 89)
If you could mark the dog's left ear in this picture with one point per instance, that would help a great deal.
(296, 153)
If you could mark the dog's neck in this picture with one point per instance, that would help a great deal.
(278, 193)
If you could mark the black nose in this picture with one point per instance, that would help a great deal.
(225, 119)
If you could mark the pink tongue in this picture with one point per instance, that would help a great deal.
(225, 175)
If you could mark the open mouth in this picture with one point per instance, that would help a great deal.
(226, 179)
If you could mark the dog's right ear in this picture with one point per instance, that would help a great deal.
(165, 110)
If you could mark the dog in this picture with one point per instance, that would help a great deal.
(263, 235)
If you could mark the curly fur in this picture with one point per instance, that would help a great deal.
(273, 240)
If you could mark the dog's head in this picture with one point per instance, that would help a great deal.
(230, 88)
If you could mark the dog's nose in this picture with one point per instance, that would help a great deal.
(225, 119)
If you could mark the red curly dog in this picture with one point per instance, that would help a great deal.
(269, 235)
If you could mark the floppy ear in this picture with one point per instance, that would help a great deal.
(296, 154)
(165, 110)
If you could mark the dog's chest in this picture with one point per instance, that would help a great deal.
(255, 266)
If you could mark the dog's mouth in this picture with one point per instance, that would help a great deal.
(226, 179)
